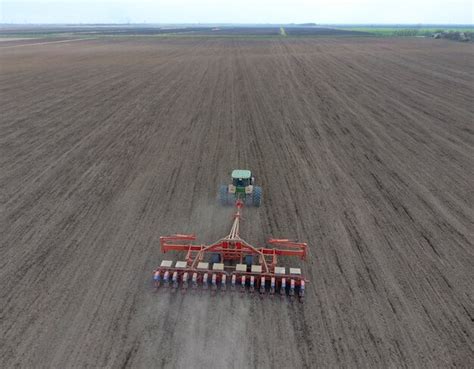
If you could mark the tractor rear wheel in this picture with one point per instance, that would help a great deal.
(223, 195)
(257, 196)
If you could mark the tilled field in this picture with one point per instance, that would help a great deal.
(134, 30)
(364, 148)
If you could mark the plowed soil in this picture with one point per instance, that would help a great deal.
(364, 149)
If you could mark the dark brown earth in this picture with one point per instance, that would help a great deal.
(364, 148)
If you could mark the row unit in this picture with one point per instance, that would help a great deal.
(219, 267)
(262, 284)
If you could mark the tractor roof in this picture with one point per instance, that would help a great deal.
(241, 173)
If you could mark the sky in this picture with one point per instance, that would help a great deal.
(239, 11)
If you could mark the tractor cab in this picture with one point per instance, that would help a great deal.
(241, 178)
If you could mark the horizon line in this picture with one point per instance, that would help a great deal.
(308, 24)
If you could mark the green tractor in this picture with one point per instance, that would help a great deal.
(243, 188)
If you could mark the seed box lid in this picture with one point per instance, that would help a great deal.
(256, 269)
(295, 271)
(280, 270)
(218, 266)
(241, 267)
(166, 263)
(203, 265)
(181, 264)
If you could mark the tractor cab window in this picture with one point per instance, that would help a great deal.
(241, 182)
